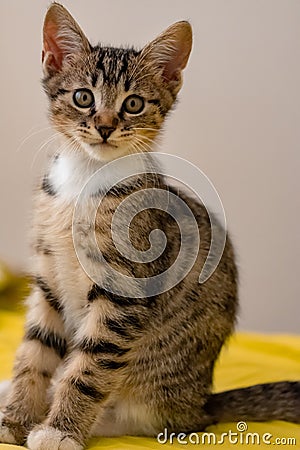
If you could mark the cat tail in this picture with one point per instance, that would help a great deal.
(262, 402)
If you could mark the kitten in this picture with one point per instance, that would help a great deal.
(94, 362)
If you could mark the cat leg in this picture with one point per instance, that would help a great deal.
(91, 378)
(78, 399)
(38, 356)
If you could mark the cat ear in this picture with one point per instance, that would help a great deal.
(62, 37)
(170, 52)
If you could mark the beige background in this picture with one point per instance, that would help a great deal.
(238, 120)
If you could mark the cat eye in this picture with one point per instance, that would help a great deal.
(83, 98)
(134, 104)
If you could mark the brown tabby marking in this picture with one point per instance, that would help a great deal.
(93, 362)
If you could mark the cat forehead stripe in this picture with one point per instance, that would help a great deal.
(112, 64)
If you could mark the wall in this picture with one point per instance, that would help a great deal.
(238, 120)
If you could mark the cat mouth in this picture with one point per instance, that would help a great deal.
(103, 144)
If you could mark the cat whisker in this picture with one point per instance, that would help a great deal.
(44, 145)
(150, 144)
(31, 134)
(145, 147)
(146, 128)
(72, 144)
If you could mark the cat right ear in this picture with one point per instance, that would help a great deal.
(62, 37)
(169, 52)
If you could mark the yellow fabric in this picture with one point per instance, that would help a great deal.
(247, 359)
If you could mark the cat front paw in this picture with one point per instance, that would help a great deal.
(44, 437)
(11, 432)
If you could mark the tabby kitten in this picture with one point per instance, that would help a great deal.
(93, 362)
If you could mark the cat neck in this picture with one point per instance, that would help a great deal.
(72, 171)
(69, 172)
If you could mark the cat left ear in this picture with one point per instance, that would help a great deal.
(62, 37)
(170, 52)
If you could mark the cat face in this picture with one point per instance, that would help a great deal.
(110, 101)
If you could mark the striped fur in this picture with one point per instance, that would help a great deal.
(96, 362)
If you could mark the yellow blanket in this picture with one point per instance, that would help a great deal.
(247, 359)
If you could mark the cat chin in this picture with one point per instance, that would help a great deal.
(105, 152)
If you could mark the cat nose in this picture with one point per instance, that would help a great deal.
(105, 123)
(105, 131)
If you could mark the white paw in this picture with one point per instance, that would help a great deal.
(5, 435)
(44, 437)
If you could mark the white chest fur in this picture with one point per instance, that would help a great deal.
(69, 174)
